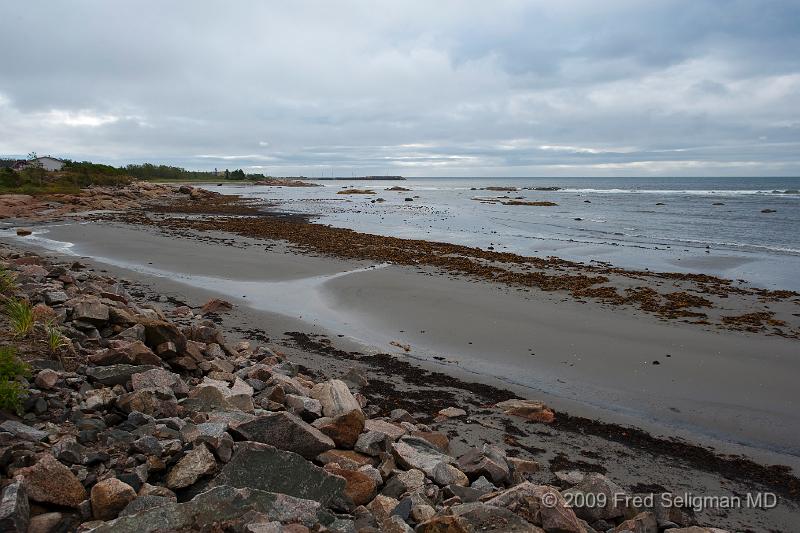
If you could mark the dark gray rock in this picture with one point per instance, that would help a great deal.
(263, 467)
(287, 432)
(115, 374)
(14, 509)
(143, 503)
(23, 431)
(490, 518)
(218, 504)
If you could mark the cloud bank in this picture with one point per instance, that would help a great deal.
(415, 88)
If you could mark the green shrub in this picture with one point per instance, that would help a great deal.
(12, 369)
(20, 314)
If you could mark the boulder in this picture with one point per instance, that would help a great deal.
(393, 431)
(593, 485)
(381, 507)
(49, 481)
(89, 309)
(115, 374)
(359, 487)
(373, 443)
(14, 508)
(158, 332)
(47, 523)
(109, 497)
(444, 524)
(335, 397)
(215, 306)
(343, 429)
(23, 431)
(413, 452)
(346, 459)
(125, 352)
(527, 409)
(641, 523)
(306, 408)
(447, 474)
(47, 378)
(264, 467)
(99, 399)
(192, 466)
(158, 378)
(489, 518)
(206, 510)
(143, 503)
(403, 482)
(154, 402)
(286, 432)
(489, 461)
(521, 468)
(212, 394)
(541, 505)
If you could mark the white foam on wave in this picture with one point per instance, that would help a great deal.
(686, 192)
(37, 238)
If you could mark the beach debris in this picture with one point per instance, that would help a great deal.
(215, 306)
(532, 410)
(404, 347)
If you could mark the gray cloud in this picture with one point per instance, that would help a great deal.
(420, 88)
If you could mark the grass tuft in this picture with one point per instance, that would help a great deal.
(54, 338)
(20, 315)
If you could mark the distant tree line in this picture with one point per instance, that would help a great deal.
(78, 174)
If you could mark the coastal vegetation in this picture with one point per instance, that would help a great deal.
(12, 372)
(77, 175)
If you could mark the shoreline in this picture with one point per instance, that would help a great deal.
(294, 266)
(568, 445)
(354, 299)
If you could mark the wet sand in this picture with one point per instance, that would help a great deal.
(732, 390)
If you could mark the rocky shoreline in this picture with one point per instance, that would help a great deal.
(151, 420)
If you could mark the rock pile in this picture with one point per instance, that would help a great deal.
(158, 423)
(95, 198)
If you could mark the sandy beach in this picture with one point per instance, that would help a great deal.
(714, 386)
(603, 366)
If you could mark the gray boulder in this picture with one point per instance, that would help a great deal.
(218, 504)
(14, 508)
(287, 432)
(260, 466)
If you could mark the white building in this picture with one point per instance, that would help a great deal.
(48, 163)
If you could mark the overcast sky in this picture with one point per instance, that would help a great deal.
(430, 88)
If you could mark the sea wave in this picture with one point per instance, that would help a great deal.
(688, 192)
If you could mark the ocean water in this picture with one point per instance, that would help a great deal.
(704, 225)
